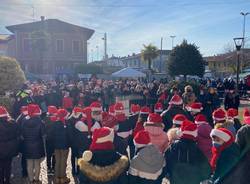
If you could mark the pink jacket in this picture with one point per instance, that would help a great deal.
(158, 137)
(203, 139)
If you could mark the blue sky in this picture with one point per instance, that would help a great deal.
(210, 24)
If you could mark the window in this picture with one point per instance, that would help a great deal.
(59, 45)
(27, 45)
(76, 46)
(134, 62)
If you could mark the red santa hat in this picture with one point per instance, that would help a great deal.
(102, 139)
(223, 134)
(52, 110)
(112, 109)
(178, 119)
(145, 110)
(232, 113)
(176, 100)
(154, 119)
(188, 130)
(246, 116)
(119, 108)
(34, 110)
(108, 120)
(200, 119)
(195, 107)
(141, 139)
(158, 107)
(96, 106)
(135, 108)
(24, 110)
(3, 112)
(62, 115)
(219, 115)
(77, 110)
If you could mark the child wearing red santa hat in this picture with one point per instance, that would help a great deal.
(101, 163)
(225, 153)
(154, 127)
(184, 160)
(147, 165)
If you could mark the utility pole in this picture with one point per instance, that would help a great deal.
(105, 46)
(161, 56)
(172, 37)
(243, 43)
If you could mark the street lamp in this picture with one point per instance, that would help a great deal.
(238, 44)
(244, 26)
(172, 37)
(243, 35)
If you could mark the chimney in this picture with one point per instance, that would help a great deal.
(42, 18)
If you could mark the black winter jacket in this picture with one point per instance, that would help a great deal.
(32, 132)
(9, 139)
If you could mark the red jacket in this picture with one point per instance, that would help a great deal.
(67, 103)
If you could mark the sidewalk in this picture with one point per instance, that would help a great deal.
(17, 174)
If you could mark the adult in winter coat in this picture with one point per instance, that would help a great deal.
(225, 153)
(185, 163)
(32, 132)
(101, 164)
(61, 137)
(204, 140)
(175, 107)
(9, 144)
(232, 100)
(211, 103)
(188, 96)
(146, 167)
(155, 127)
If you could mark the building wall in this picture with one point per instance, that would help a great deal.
(31, 60)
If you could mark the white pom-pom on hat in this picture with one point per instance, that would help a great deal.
(87, 155)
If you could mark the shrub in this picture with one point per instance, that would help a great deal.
(7, 102)
(11, 75)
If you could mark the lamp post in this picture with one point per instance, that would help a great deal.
(172, 37)
(243, 35)
(238, 44)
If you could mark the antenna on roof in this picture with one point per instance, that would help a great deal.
(33, 13)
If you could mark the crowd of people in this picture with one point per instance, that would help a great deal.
(182, 138)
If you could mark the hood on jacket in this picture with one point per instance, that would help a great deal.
(102, 174)
(148, 163)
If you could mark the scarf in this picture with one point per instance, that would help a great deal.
(216, 152)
